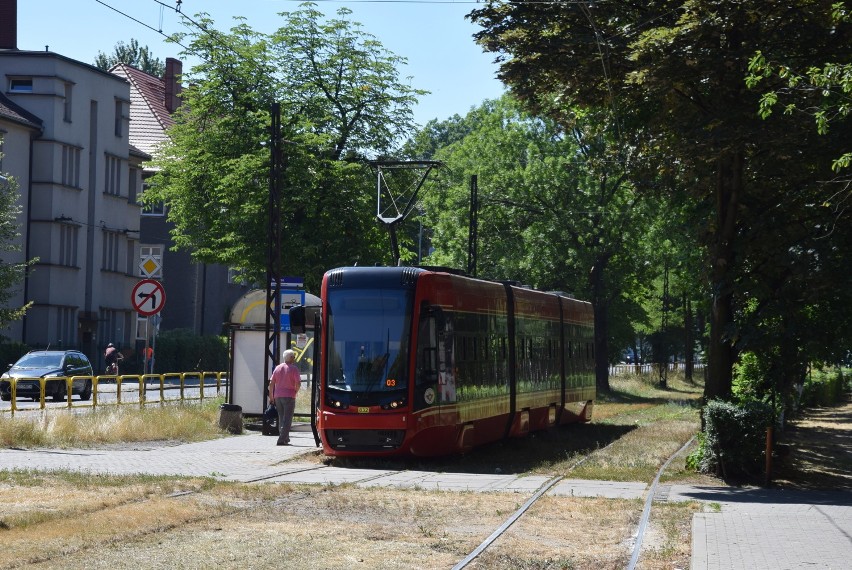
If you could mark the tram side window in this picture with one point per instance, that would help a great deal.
(463, 379)
(570, 364)
(480, 359)
(497, 358)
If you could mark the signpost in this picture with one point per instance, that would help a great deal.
(148, 297)
(290, 298)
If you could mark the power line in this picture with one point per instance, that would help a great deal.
(140, 22)
(475, 2)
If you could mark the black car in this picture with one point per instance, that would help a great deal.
(48, 364)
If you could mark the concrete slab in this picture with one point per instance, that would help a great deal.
(605, 489)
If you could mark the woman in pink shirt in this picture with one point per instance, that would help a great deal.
(284, 384)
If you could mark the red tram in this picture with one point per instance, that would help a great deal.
(425, 362)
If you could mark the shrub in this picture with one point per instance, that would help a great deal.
(824, 388)
(694, 459)
(734, 438)
(10, 352)
(751, 378)
(182, 350)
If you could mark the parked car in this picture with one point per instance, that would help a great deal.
(48, 364)
(630, 357)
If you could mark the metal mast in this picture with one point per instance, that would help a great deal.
(272, 352)
(390, 209)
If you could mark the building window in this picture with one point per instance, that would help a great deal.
(68, 102)
(119, 105)
(156, 209)
(110, 254)
(131, 186)
(21, 85)
(131, 256)
(147, 327)
(112, 175)
(68, 235)
(67, 327)
(151, 261)
(237, 277)
(70, 166)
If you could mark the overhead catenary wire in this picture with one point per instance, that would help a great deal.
(141, 23)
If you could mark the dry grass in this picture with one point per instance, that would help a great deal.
(87, 521)
(113, 424)
(274, 526)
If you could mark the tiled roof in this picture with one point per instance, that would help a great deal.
(149, 118)
(10, 111)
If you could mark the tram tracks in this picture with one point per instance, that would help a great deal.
(548, 485)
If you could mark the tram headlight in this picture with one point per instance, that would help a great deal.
(394, 404)
(337, 404)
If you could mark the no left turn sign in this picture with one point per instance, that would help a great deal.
(148, 297)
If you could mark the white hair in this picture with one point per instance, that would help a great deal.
(288, 354)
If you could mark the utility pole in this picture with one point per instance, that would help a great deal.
(472, 237)
(272, 352)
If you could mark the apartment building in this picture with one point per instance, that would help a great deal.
(65, 131)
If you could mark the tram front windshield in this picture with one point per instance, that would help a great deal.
(368, 332)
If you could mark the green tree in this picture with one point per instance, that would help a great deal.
(818, 89)
(133, 54)
(10, 273)
(554, 212)
(673, 74)
(341, 102)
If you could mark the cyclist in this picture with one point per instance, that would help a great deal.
(112, 357)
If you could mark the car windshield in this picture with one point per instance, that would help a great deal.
(40, 361)
(368, 332)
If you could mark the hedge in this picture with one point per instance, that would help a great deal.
(734, 442)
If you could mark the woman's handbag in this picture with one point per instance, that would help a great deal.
(270, 420)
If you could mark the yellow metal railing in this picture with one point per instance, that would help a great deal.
(146, 389)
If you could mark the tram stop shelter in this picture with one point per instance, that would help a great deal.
(247, 332)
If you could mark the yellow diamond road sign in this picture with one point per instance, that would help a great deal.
(150, 267)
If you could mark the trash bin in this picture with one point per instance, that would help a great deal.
(231, 418)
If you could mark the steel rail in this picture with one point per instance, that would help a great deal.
(503, 527)
(646, 512)
(637, 546)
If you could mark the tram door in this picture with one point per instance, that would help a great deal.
(432, 365)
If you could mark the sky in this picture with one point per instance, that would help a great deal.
(432, 35)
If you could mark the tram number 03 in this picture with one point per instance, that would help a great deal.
(390, 382)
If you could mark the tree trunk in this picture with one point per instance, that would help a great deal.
(600, 305)
(729, 182)
(688, 342)
(601, 347)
